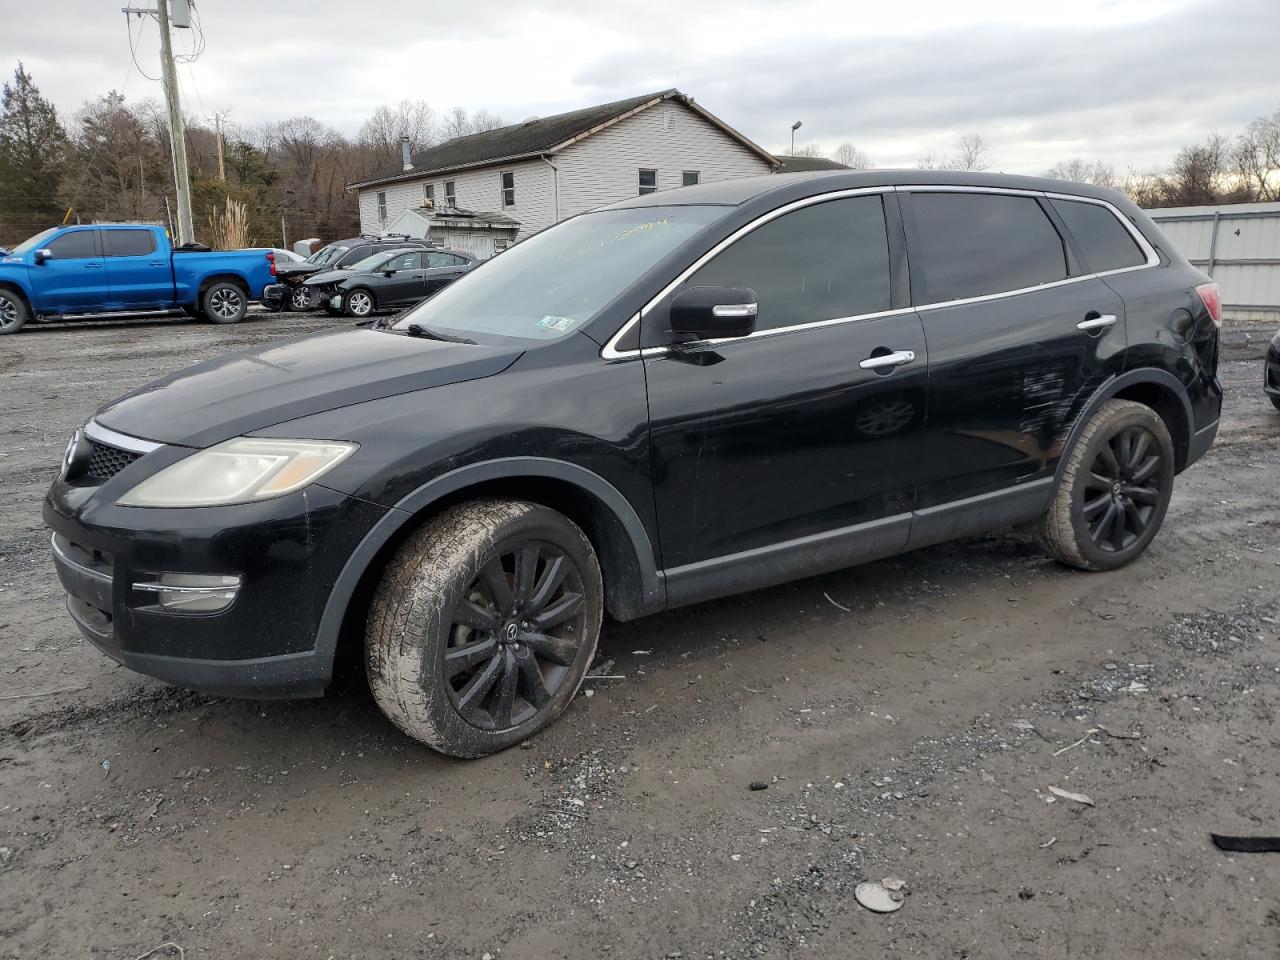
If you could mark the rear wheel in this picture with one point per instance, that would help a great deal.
(224, 302)
(484, 625)
(13, 312)
(1114, 490)
(300, 299)
(358, 303)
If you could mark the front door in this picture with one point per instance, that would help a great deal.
(1019, 339)
(442, 270)
(765, 448)
(407, 283)
(73, 279)
(139, 276)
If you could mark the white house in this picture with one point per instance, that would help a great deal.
(482, 192)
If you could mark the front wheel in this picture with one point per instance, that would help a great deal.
(224, 302)
(299, 299)
(1114, 490)
(13, 312)
(358, 303)
(484, 625)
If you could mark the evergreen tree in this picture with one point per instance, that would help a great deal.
(32, 146)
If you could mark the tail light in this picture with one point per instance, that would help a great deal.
(1212, 300)
(271, 259)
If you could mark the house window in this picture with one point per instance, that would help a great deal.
(690, 178)
(382, 207)
(500, 245)
(648, 181)
(429, 194)
(509, 189)
(450, 196)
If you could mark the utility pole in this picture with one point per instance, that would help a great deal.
(177, 131)
(222, 168)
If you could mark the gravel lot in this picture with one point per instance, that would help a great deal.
(915, 734)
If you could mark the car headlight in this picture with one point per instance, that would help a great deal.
(239, 471)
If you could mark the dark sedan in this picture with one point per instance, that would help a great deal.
(402, 280)
(319, 288)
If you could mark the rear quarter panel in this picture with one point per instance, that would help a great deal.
(191, 270)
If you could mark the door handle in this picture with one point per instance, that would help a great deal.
(93, 266)
(1097, 322)
(895, 359)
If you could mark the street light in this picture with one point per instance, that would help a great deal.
(794, 127)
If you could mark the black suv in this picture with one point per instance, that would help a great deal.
(290, 290)
(677, 397)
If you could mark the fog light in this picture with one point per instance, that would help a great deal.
(192, 592)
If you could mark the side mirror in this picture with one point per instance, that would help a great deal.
(712, 313)
(43, 254)
(388, 273)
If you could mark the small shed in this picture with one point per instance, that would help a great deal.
(1238, 244)
(480, 234)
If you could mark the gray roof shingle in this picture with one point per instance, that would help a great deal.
(523, 140)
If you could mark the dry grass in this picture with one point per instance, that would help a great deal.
(229, 230)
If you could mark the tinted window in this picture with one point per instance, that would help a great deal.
(444, 260)
(74, 246)
(821, 262)
(971, 244)
(128, 243)
(1105, 243)
(355, 255)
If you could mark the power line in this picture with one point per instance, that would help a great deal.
(133, 53)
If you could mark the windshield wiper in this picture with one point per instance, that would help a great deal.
(418, 330)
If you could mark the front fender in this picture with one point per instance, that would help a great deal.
(407, 513)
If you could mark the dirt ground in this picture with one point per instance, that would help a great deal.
(914, 734)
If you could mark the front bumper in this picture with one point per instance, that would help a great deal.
(288, 552)
(1271, 370)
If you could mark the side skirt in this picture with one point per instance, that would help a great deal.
(850, 546)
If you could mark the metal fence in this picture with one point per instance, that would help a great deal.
(1236, 244)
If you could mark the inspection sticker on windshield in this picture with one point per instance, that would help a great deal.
(559, 324)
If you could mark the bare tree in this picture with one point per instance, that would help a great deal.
(806, 151)
(851, 157)
(381, 133)
(1079, 170)
(1255, 158)
(930, 161)
(483, 120)
(1146, 189)
(971, 153)
(1196, 174)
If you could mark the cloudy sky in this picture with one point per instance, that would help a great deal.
(1124, 81)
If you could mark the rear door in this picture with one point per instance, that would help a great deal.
(803, 429)
(139, 275)
(443, 269)
(1019, 337)
(73, 279)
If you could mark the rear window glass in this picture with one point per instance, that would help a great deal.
(74, 246)
(128, 243)
(973, 244)
(1103, 240)
(822, 262)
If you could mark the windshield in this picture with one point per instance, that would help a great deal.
(327, 255)
(547, 286)
(34, 243)
(369, 264)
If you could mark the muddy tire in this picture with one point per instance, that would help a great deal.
(483, 626)
(1114, 490)
(224, 302)
(1275, 402)
(13, 312)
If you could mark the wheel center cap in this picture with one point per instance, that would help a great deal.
(1115, 489)
(510, 632)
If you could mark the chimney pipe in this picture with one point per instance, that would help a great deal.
(404, 154)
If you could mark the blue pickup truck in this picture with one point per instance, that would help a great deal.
(122, 267)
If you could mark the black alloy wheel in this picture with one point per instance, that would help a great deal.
(1122, 490)
(514, 636)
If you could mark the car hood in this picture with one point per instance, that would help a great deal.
(296, 270)
(328, 276)
(260, 387)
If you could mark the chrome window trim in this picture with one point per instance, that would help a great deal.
(96, 431)
(610, 351)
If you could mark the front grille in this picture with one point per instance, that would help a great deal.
(106, 461)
